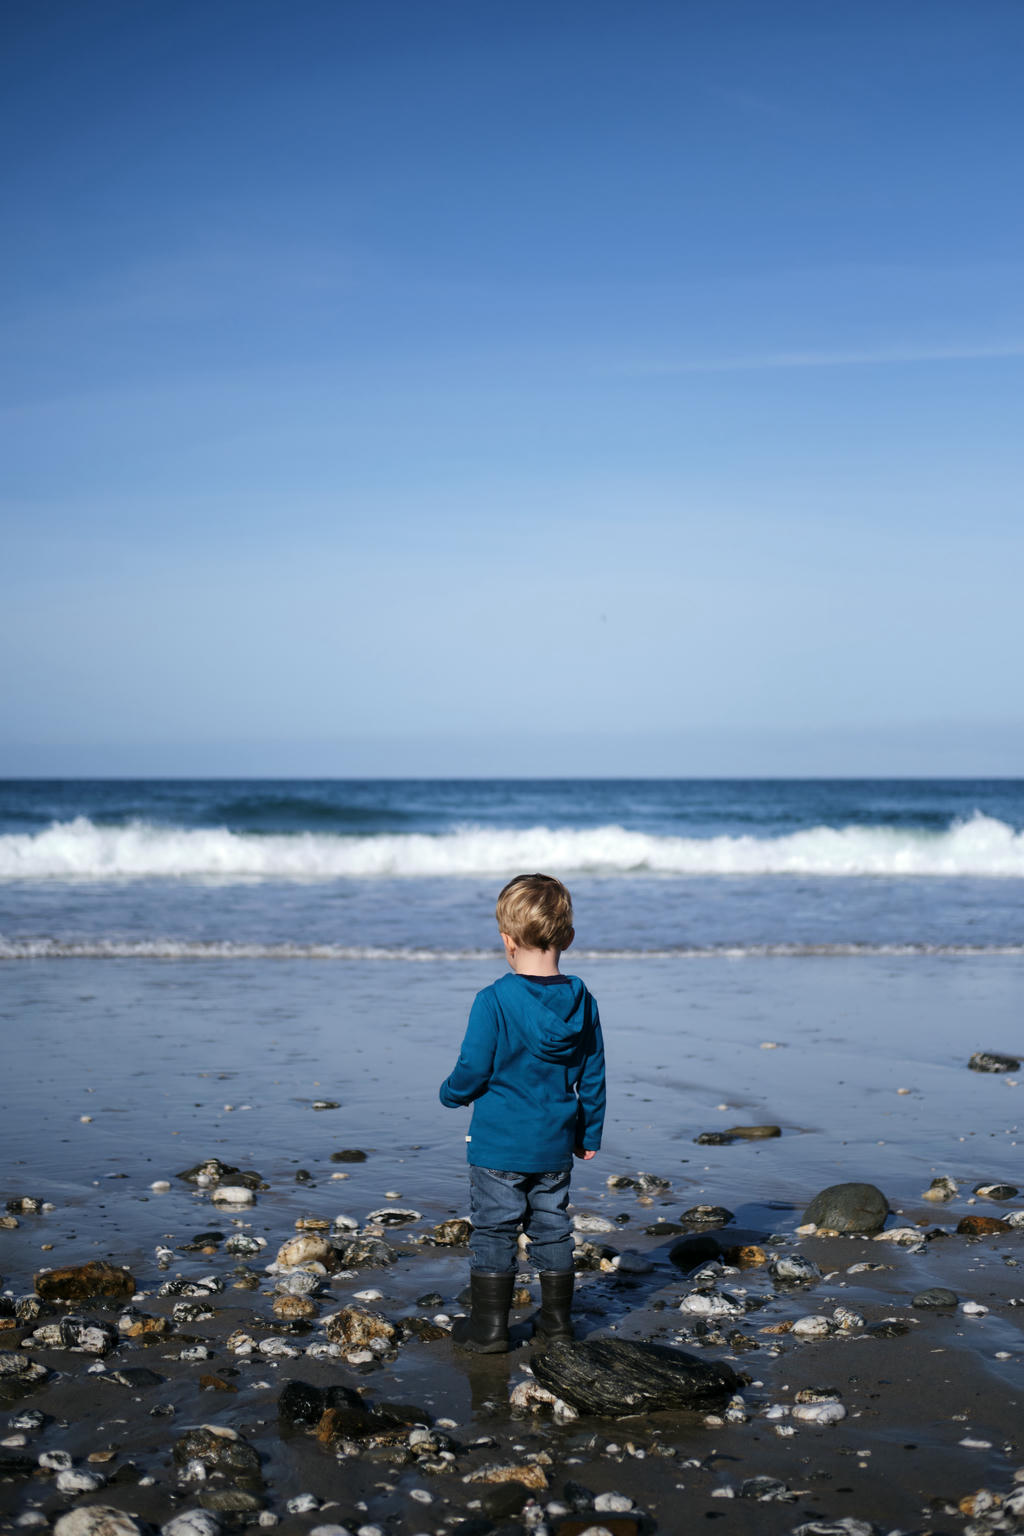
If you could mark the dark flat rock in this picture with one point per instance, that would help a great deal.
(617, 1377)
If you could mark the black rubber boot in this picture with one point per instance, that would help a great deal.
(553, 1323)
(485, 1331)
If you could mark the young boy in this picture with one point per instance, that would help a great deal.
(532, 1065)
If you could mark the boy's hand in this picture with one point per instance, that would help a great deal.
(584, 1156)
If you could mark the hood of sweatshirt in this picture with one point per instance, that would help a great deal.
(551, 1019)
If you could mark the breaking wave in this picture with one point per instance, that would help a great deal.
(185, 949)
(81, 850)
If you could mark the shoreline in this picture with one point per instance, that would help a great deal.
(155, 1053)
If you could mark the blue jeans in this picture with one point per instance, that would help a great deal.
(501, 1202)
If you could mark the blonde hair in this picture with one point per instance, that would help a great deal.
(536, 911)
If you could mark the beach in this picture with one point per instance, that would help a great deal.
(122, 1074)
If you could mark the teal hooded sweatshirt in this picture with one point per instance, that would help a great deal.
(532, 1066)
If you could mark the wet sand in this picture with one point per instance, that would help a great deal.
(153, 1054)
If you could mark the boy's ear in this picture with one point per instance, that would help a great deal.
(572, 935)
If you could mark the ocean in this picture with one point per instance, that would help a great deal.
(278, 974)
(408, 869)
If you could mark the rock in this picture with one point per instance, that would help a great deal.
(652, 1183)
(357, 1328)
(766, 1490)
(19, 1371)
(88, 1337)
(307, 1248)
(982, 1226)
(291, 1307)
(134, 1324)
(754, 1132)
(230, 1501)
(97, 1520)
(338, 1412)
(213, 1171)
(592, 1256)
(74, 1480)
(393, 1216)
(76, 1282)
(710, 1306)
(714, 1139)
(586, 1221)
(618, 1377)
(452, 1234)
(690, 1252)
(193, 1522)
(348, 1155)
(827, 1412)
(846, 1525)
(613, 1503)
(937, 1296)
(707, 1216)
(812, 1327)
(530, 1475)
(992, 1061)
(629, 1263)
(848, 1208)
(300, 1282)
(219, 1450)
(888, 1328)
(233, 1194)
(793, 1269)
(997, 1191)
(942, 1188)
(241, 1243)
(137, 1378)
(364, 1253)
(747, 1256)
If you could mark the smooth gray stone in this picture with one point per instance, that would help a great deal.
(937, 1296)
(848, 1208)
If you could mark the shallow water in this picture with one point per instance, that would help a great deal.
(155, 1052)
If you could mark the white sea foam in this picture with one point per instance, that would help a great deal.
(198, 949)
(79, 850)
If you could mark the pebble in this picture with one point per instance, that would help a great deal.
(698, 1304)
(73, 1481)
(233, 1194)
(942, 1188)
(828, 1412)
(813, 1327)
(302, 1504)
(974, 1309)
(584, 1221)
(613, 1503)
(193, 1522)
(160, 1187)
(793, 1268)
(97, 1520)
(935, 1296)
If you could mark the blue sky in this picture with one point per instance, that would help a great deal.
(531, 388)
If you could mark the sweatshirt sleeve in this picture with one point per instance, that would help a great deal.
(476, 1059)
(591, 1093)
